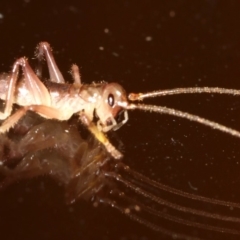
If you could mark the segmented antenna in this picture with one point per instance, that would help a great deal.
(191, 117)
(141, 96)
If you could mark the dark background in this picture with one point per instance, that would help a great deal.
(193, 43)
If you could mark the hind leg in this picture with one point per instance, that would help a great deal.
(35, 87)
(44, 51)
(45, 111)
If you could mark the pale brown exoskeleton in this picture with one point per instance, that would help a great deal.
(56, 99)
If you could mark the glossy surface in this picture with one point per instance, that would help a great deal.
(143, 46)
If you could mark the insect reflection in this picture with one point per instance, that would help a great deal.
(38, 147)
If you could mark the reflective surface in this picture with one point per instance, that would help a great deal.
(144, 47)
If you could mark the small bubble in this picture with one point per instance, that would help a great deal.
(101, 48)
(106, 30)
(1, 16)
(148, 38)
(127, 210)
(115, 54)
(172, 13)
(137, 208)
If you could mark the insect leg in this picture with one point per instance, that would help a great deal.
(76, 75)
(100, 136)
(45, 111)
(44, 51)
(36, 88)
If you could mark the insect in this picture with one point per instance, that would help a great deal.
(56, 99)
(106, 103)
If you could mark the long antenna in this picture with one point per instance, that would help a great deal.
(141, 96)
(191, 117)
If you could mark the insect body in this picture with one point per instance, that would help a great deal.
(58, 100)
(55, 99)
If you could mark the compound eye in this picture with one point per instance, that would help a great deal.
(111, 100)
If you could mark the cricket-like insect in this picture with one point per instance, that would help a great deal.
(56, 99)
(105, 102)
